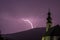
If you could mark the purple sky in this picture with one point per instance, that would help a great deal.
(12, 11)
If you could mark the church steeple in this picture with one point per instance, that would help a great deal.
(49, 21)
(49, 17)
(48, 26)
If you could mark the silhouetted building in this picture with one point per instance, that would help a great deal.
(48, 26)
(52, 33)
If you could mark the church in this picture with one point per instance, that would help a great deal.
(52, 33)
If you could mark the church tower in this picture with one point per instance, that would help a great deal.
(48, 26)
(49, 21)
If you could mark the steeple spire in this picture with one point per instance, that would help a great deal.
(48, 25)
(49, 21)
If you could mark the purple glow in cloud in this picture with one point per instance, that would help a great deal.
(12, 11)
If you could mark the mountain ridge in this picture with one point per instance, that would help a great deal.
(32, 34)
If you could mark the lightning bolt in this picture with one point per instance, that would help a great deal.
(26, 20)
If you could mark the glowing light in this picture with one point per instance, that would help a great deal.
(28, 22)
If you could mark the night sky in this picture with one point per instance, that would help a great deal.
(12, 11)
